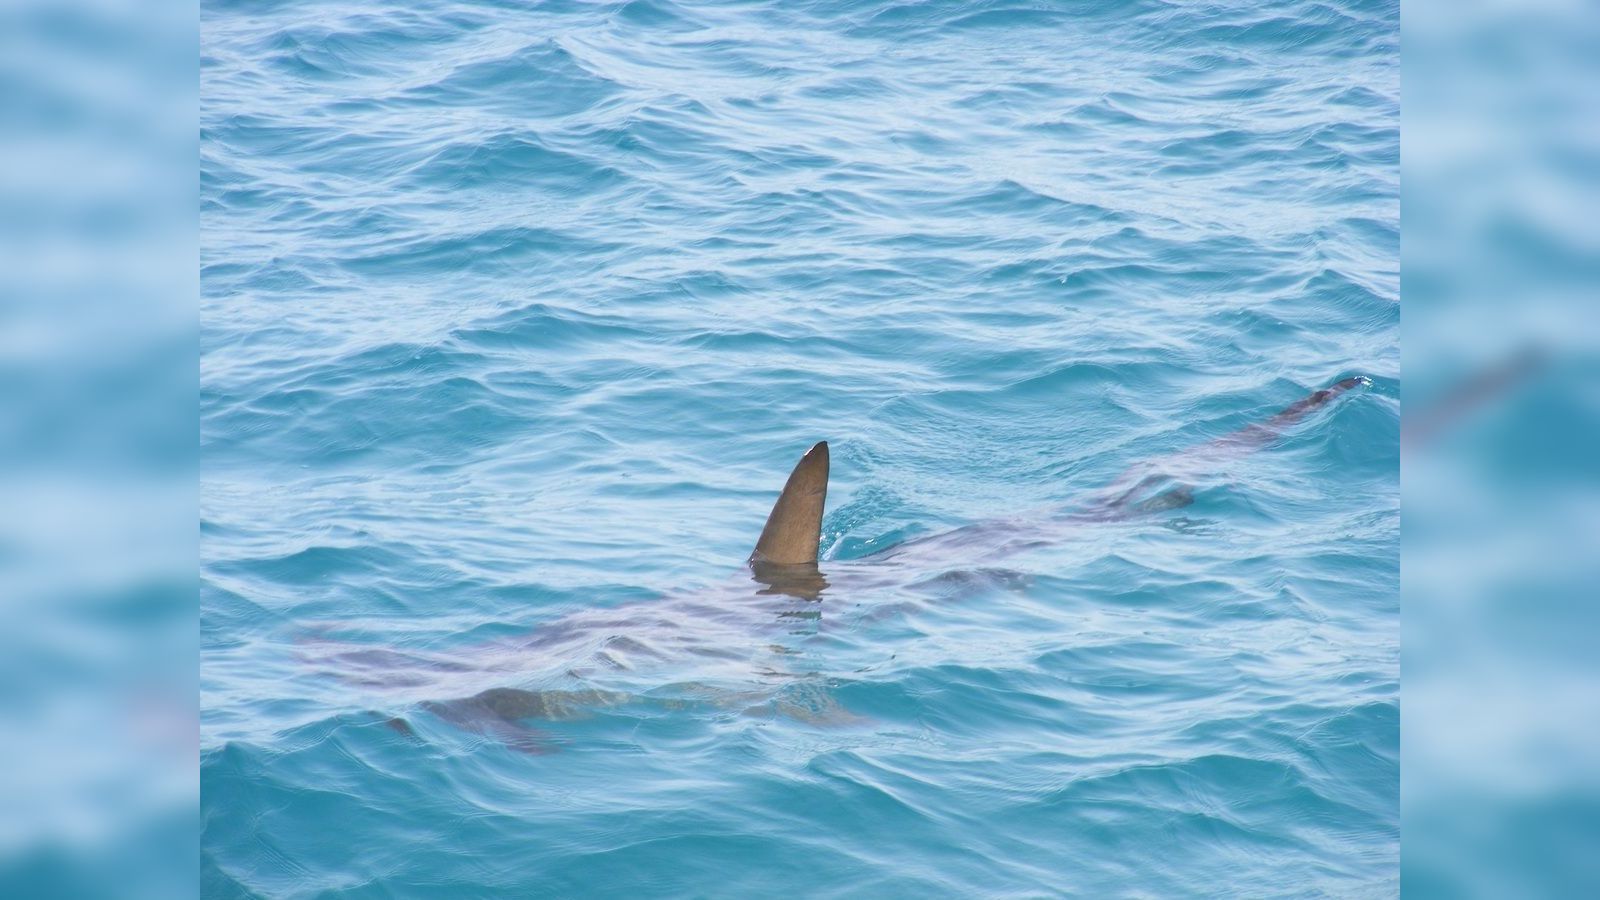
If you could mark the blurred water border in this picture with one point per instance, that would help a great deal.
(98, 449)
(1501, 536)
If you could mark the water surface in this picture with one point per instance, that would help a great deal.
(515, 318)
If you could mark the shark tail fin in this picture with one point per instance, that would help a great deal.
(1149, 487)
(795, 524)
(1253, 436)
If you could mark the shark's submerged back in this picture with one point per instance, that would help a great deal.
(787, 551)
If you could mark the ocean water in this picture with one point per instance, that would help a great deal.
(516, 316)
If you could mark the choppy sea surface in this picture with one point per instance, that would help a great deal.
(516, 316)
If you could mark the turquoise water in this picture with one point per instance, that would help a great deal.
(514, 319)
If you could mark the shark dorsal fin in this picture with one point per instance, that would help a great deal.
(795, 523)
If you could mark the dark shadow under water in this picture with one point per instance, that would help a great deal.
(727, 623)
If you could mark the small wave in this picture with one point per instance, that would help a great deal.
(539, 80)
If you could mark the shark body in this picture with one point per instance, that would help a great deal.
(782, 584)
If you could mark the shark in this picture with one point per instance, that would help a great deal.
(783, 578)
